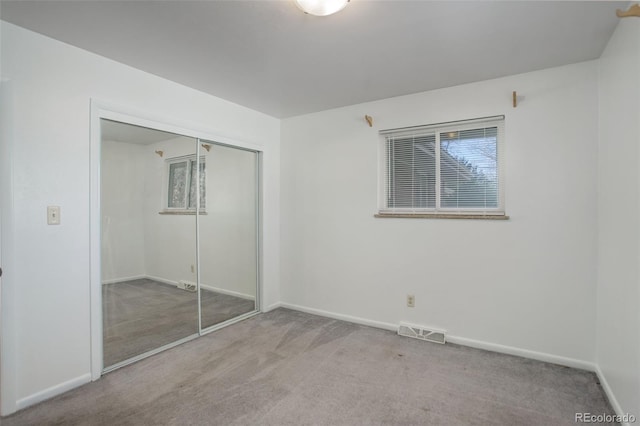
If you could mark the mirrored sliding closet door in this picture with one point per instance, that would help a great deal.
(148, 241)
(228, 233)
(179, 239)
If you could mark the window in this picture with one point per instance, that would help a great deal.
(449, 168)
(182, 183)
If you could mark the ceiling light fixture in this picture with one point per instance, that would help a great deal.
(321, 7)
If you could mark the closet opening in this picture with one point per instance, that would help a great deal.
(176, 223)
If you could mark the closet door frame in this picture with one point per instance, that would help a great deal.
(104, 110)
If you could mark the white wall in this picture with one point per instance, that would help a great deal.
(47, 283)
(618, 318)
(527, 283)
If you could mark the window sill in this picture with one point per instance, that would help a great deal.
(440, 216)
(181, 212)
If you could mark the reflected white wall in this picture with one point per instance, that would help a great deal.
(123, 215)
(139, 241)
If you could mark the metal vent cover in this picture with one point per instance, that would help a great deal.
(422, 333)
(187, 285)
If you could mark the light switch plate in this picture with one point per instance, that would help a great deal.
(53, 215)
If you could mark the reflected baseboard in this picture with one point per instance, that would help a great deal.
(161, 280)
(175, 283)
(227, 292)
(123, 279)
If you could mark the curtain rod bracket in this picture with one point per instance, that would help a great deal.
(369, 120)
(634, 10)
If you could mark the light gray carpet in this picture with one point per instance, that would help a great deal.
(141, 315)
(290, 368)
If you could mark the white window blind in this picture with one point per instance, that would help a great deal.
(452, 167)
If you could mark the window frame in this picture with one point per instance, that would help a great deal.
(436, 130)
(190, 160)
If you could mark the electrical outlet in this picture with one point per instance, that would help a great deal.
(411, 300)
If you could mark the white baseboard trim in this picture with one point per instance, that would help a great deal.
(123, 279)
(540, 356)
(334, 315)
(227, 292)
(609, 392)
(272, 307)
(524, 353)
(53, 391)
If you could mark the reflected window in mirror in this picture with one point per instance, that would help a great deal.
(182, 183)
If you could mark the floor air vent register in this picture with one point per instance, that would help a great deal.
(186, 285)
(422, 333)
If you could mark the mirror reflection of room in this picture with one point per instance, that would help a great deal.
(166, 201)
(144, 254)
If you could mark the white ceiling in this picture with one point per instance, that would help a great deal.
(269, 56)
